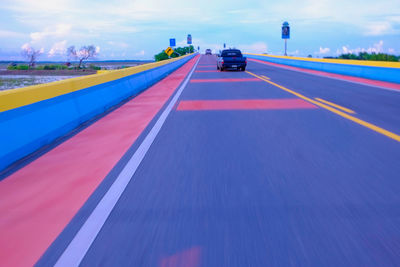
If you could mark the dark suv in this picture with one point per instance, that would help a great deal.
(208, 51)
(231, 59)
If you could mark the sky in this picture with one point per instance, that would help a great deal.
(138, 29)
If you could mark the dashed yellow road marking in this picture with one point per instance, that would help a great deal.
(335, 105)
(338, 112)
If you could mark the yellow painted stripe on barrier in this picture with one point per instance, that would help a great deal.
(10, 99)
(383, 64)
(334, 105)
(103, 71)
(338, 112)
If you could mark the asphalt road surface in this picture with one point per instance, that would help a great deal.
(268, 167)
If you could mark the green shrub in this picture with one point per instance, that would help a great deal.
(55, 67)
(94, 67)
(49, 67)
(161, 56)
(18, 67)
(22, 67)
(178, 51)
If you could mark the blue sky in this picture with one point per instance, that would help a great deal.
(137, 29)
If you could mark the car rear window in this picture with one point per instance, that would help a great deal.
(231, 54)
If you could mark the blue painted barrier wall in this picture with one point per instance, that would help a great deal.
(25, 129)
(387, 74)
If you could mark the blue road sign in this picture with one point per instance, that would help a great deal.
(189, 39)
(224, 45)
(172, 42)
(285, 30)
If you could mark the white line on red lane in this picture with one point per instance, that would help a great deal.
(80, 244)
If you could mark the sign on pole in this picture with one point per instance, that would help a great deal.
(172, 42)
(169, 51)
(189, 39)
(285, 34)
(285, 30)
(224, 45)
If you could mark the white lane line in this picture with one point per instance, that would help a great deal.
(82, 241)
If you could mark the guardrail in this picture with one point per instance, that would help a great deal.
(35, 116)
(375, 70)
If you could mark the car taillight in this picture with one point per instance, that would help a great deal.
(245, 61)
(222, 62)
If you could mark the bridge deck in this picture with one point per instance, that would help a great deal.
(249, 168)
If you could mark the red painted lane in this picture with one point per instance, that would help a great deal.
(201, 71)
(225, 80)
(245, 104)
(38, 201)
(388, 85)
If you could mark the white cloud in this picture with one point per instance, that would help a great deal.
(141, 53)
(258, 47)
(118, 44)
(59, 48)
(323, 51)
(28, 48)
(379, 28)
(11, 34)
(375, 48)
(391, 50)
(58, 31)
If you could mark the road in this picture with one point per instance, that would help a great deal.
(268, 167)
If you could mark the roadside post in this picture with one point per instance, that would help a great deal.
(285, 34)
(224, 45)
(189, 41)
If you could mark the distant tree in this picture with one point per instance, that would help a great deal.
(161, 56)
(82, 54)
(31, 54)
(178, 51)
(373, 56)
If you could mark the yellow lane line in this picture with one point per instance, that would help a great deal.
(265, 77)
(335, 105)
(338, 112)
